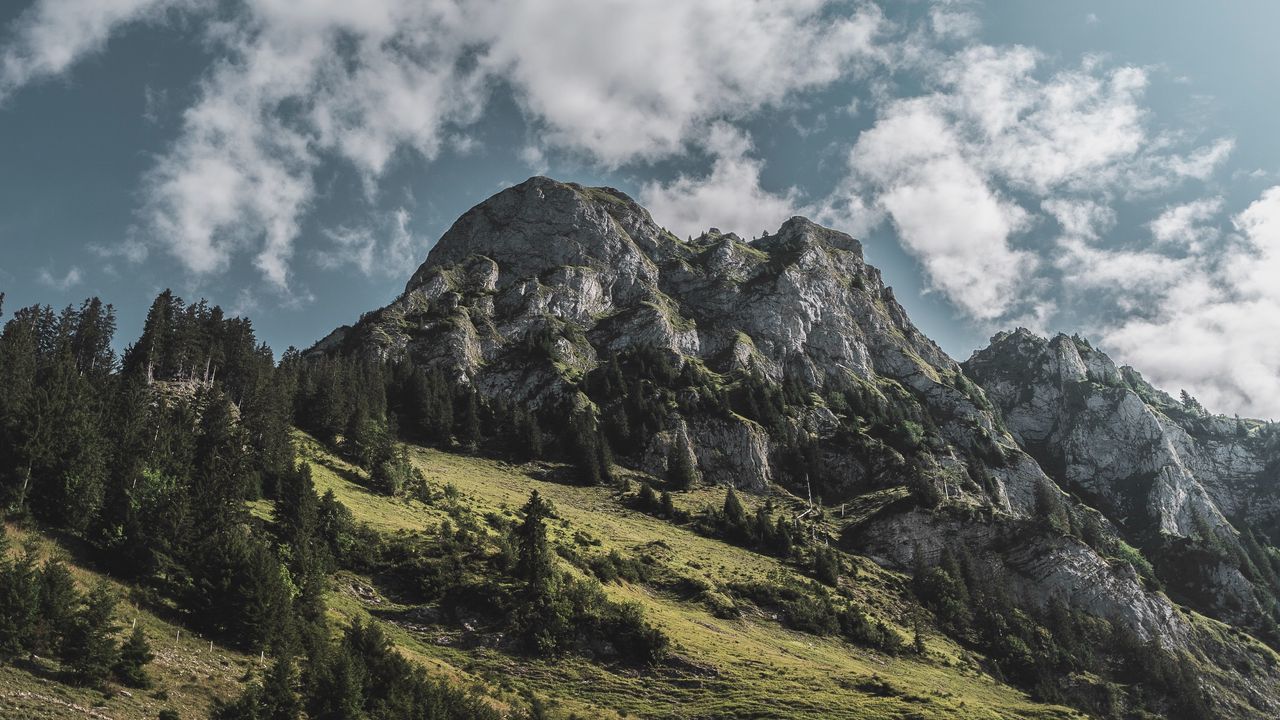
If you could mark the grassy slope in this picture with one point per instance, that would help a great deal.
(749, 667)
(185, 672)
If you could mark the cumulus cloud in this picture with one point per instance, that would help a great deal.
(51, 35)
(953, 169)
(388, 249)
(66, 281)
(1187, 225)
(1216, 331)
(299, 83)
(1080, 218)
(649, 76)
(729, 197)
(944, 211)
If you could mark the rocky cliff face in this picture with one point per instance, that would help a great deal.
(589, 268)
(800, 372)
(1174, 478)
(1105, 433)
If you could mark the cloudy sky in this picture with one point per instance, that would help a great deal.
(1104, 168)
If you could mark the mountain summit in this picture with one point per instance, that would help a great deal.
(783, 365)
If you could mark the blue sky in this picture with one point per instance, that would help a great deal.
(1102, 168)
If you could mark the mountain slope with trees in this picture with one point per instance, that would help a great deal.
(582, 466)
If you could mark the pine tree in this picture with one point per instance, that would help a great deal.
(528, 434)
(827, 566)
(585, 445)
(682, 466)
(59, 600)
(534, 557)
(90, 649)
(135, 653)
(279, 700)
(541, 616)
(735, 514)
(666, 505)
(19, 602)
(782, 540)
(646, 498)
(469, 428)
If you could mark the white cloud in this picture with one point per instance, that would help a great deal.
(131, 250)
(638, 80)
(1080, 218)
(729, 197)
(386, 249)
(1217, 330)
(301, 82)
(67, 281)
(305, 81)
(1185, 225)
(51, 35)
(950, 20)
(952, 169)
(945, 212)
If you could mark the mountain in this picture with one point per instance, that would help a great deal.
(581, 467)
(1037, 477)
(1182, 484)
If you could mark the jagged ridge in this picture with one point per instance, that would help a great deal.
(587, 274)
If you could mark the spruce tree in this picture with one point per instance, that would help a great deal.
(541, 618)
(469, 428)
(528, 434)
(666, 506)
(826, 566)
(59, 600)
(90, 649)
(19, 602)
(279, 700)
(534, 565)
(782, 540)
(135, 653)
(647, 499)
(682, 467)
(735, 514)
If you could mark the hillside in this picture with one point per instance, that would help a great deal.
(583, 468)
(188, 673)
(748, 664)
(744, 661)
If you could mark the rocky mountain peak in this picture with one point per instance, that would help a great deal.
(542, 223)
(785, 365)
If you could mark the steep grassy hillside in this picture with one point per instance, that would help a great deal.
(736, 663)
(188, 674)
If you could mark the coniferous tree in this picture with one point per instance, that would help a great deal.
(682, 465)
(782, 539)
(19, 602)
(58, 603)
(90, 649)
(646, 498)
(735, 514)
(666, 505)
(528, 434)
(469, 433)
(541, 617)
(135, 653)
(827, 566)
(279, 699)
(533, 565)
(221, 465)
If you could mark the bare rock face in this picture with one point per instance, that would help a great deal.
(1149, 462)
(542, 287)
(591, 269)
(1171, 476)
